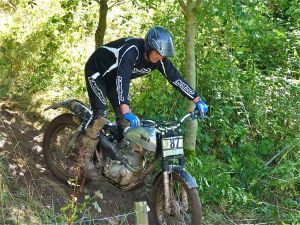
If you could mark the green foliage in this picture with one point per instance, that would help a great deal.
(248, 65)
(39, 59)
(73, 211)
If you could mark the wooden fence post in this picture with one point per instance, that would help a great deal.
(141, 212)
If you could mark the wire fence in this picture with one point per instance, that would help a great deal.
(140, 215)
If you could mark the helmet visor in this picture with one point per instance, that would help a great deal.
(166, 48)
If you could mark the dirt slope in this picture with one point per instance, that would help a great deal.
(20, 146)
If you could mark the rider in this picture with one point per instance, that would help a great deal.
(108, 72)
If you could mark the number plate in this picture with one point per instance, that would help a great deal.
(172, 146)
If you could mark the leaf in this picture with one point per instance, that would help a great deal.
(98, 194)
(97, 207)
(4, 197)
(291, 203)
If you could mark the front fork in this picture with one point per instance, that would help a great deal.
(167, 169)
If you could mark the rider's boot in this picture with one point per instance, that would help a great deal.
(89, 142)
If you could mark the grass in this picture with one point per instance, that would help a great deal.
(17, 205)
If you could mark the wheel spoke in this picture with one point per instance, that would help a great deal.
(181, 203)
(63, 155)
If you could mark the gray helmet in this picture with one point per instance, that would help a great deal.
(159, 39)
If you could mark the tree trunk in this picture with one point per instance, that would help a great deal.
(100, 32)
(190, 71)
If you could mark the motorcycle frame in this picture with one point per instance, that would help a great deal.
(84, 114)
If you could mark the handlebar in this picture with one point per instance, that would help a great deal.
(175, 125)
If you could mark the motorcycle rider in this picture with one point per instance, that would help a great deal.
(108, 72)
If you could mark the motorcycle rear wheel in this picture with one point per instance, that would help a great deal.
(60, 157)
(185, 203)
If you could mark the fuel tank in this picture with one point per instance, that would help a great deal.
(142, 136)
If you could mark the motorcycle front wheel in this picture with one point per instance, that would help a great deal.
(59, 147)
(185, 206)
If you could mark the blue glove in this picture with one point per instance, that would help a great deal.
(201, 106)
(134, 120)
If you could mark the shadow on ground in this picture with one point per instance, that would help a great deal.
(21, 157)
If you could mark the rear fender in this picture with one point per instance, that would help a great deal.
(188, 179)
(75, 106)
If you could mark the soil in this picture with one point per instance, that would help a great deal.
(20, 145)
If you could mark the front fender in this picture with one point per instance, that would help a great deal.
(75, 106)
(186, 176)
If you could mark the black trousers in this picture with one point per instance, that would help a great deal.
(98, 91)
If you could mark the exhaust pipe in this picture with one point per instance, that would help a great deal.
(110, 149)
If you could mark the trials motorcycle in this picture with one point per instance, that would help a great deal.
(125, 158)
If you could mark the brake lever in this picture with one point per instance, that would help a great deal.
(198, 115)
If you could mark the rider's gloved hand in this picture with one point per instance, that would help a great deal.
(201, 106)
(134, 120)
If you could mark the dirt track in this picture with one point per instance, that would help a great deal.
(20, 145)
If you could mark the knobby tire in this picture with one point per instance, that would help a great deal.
(193, 199)
(66, 120)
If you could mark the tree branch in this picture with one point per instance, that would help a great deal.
(183, 6)
(279, 153)
(195, 4)
(118, 3)
(101, 28)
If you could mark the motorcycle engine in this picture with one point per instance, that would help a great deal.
(137, 146)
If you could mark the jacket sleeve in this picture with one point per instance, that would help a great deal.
(127, 59)
(167, 68)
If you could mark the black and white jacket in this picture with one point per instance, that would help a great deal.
(117, 62)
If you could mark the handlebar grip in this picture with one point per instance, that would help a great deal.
(196, 114)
